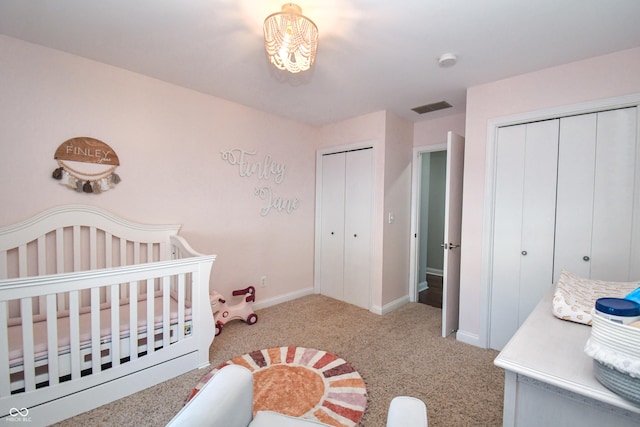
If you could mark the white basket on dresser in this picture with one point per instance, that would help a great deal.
(615, 348)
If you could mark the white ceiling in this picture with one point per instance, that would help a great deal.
(373, 54)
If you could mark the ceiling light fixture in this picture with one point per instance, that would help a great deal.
(290, 39)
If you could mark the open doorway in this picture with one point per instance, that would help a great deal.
(446, 243)
(431, 232)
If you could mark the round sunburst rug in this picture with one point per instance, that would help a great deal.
(302, 382)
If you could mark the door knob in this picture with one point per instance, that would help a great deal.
(355, 235)
(453, 246)
(586, 258)
(444, 245)
(524, 252)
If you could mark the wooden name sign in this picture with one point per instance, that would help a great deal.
(87, 150)
(94, 178)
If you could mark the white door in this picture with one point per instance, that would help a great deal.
(346, 220)
(616, 174)
(452, 229)
(596, 193)
(358, 223)
(523, 230)
(574, 210)
(332, 226)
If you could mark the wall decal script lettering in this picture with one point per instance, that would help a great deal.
(249, 166)
(274, 202)
(263, 170)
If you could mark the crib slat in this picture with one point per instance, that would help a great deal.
(77, 249)
(42, 255)
(3, 264)
(150, 252)
(96, 360)
(123, 252)
(74, 333)
(5, 383)
(42, 268)
(108, 250)
(150, 316)
(60, 263)
(115, 326)
(133, 320)
(93, 248)
(52, 340)
(180, 306)
(26, 312)
(22, 261)
(136, 253)
(166, 312)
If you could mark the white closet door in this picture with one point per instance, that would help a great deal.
(614, 195)
(524, 218)
(574, 216)
(507, 230)
(358, 223)
(538, 215)
(332, 226)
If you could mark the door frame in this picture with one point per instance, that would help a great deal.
(490, 182)
(416, 184)
(318, 211)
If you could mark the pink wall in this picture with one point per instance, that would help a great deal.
(365, 128)
(398, 148)
(434, 131)
(392, 138)
(596, 78)
(169, 141)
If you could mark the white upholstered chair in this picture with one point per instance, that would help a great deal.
(226, 400)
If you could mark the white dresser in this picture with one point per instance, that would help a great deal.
(549, 379)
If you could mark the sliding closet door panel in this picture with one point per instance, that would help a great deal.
(538, 214)
(507, 234)
(614, 195)
(574, 216)
(358, 223)
(332, 225)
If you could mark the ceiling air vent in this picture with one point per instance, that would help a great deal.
(432, 107)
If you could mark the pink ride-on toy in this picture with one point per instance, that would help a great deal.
(222, 313)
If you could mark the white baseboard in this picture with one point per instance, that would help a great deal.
(387, 308)
(393, 305)
(423, 286)
(435, 271)
(281, 298)
(469, 338)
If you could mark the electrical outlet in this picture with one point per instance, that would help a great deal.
(263, 281)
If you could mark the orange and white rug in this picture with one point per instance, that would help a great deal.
(303, 382)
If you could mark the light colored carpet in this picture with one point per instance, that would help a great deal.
(400, 353)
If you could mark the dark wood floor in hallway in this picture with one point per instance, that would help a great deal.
(433, 295)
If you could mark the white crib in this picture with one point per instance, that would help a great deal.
(80, 290)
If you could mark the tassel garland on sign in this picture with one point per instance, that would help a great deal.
(83, 182)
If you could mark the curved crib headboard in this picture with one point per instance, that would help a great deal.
(77, 238)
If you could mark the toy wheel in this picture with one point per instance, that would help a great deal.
(253, 318)
(218, 328)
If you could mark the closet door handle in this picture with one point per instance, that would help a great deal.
(355, 235)
(523, 252)
(586, 258)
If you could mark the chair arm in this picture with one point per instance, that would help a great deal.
(405, 411)
(225, 400)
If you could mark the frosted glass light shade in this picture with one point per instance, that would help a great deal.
(290, 39)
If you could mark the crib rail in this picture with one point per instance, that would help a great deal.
(151, 337)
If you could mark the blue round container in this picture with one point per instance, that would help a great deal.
(618, 309)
